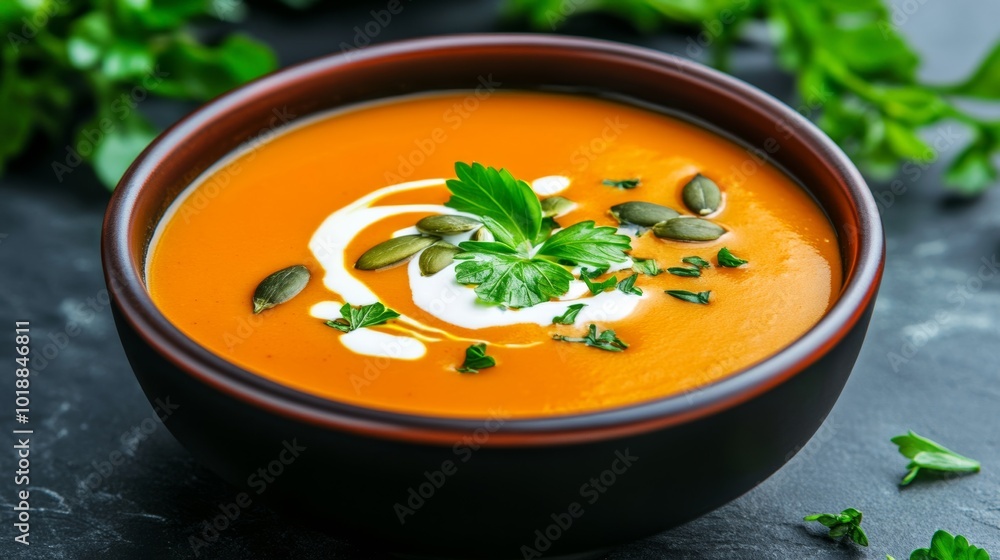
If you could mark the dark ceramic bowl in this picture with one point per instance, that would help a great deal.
(562, 486)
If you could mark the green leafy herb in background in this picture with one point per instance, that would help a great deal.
(846, 523)
(77, 73)
(944, 546)
(855, 74)
(925, 454)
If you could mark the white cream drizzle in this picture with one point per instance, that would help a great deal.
(439, 295)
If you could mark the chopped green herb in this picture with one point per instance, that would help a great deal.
(728, 259)
(685, 271)
(505, 271)
(606, 340)
(697, 261)
(592, 272)
(628, 285)
(684, 295)
(476, 359)
(944, 546)
(926, 454)
(646, 266)
(598, 287)
(847, 523)
(622, 183)
(569, 317)
(354, 318)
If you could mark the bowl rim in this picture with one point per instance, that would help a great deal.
(124, 276)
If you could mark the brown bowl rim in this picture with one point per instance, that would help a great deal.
(137, 308)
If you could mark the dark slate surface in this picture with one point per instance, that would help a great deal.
(87, 405)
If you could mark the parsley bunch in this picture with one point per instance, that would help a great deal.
(524, 266)
(855, 74)
(79, 71)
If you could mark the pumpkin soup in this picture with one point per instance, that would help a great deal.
(534, 253)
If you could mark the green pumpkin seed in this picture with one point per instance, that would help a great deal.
(447, 224)
(555, 206)
(701, 195)
(644, 214)
(689, 229)
(280, 287)
(394, 251)
(437, 257)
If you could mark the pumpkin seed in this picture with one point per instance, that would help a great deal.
(447, 224)
(280, 287)
(689, 229)
(701, 195)
(437, 257)
(394, 251)
(644, 214)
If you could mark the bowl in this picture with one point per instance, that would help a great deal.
(565, 486)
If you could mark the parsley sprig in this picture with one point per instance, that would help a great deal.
(944, 546)
(925, 454)
(846, 523)
(518, 269)
(476, 359)
(605, 340)
(354, 318)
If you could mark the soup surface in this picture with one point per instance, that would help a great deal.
(323, 193)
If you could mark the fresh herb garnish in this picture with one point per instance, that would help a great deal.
(697, 261)
(585, 244)
(646, 266)
(685, 271)
(926, 454)
(476, 359)
(728, 259)
(508, 207)
(510, 271)
(569, 317)
(606, 340)
(622, 183)
(505, 276)
(847, 523)
(944, 546)
(354, 318)
(628, 285)
(684, 295)
(598, 287)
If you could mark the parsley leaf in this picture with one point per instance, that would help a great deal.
(646, 266)
(684, 295)
(476, 359)
(508, 277)
(728, 259)
(598, 287)
(606, 340)
(622, 183)
(926, 454)
(685, 271)
(354, 318)
(508, 207)
(847, 523)
(585, 244)
(569, 317)
(506, 271)
(628, 285)
(944, 546)
(697, 261)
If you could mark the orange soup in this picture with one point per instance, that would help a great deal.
(521, 292)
